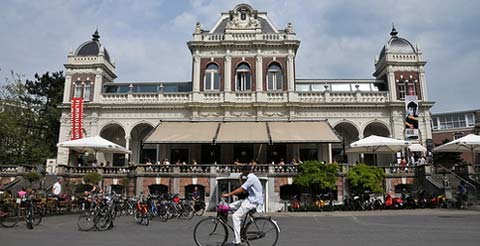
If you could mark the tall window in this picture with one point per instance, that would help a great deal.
(274, 78)
(83, 89)
(244, 78)
(401, 89)
(86, 91)
(212, 78)
(78, 89)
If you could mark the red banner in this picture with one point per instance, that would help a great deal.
(76, 112)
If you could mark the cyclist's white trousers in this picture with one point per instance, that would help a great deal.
(239, 215)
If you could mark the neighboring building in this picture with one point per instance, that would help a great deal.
(453, 125)
(244, 102)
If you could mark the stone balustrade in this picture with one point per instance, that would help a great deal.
(207, 37)
(201, 170)
(245, 97)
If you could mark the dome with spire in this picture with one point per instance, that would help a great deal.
(92, 47)
(397, 44)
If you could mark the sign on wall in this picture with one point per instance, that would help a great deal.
(76, 111)
(411, 118)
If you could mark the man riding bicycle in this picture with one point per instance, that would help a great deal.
(254, 200)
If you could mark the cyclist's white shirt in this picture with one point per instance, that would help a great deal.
(254, 189)
(57, 188)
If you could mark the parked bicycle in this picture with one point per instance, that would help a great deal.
(98, 215)
(255, 230)
(9, 215)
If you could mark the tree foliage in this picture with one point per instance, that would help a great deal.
(31, 176)
(92, 178)
(314, 174)
(363, 178)
(29, 118)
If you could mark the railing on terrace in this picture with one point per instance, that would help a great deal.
(210, 169)
(244, 37)
(64, 169)
(246, 97)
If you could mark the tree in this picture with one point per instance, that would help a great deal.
(29, 118)
(314, 175)
(92, 178)
(363, 178)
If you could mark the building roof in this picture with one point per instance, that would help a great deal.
(92, 47)
(397, 45)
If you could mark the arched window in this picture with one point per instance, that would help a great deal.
(274, 78)
(212, 78)
(86, 91)
(243, 78)
(83, 89)
(78, 89)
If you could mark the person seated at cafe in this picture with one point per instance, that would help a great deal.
(281, 162)
(237, 163)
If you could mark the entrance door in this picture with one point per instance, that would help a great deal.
(179, 155)
(243, 152)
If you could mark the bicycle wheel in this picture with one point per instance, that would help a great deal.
(199, 209)
(103, 220)
(9, 215)
(29, 213)
(37, 216)
(262, 231)
(85, 221)
(187, 212)
(210, 231)
(137, 215)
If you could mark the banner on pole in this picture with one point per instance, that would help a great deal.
(411, 118)
(76, 112)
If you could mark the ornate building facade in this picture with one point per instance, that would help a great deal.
(244, 102)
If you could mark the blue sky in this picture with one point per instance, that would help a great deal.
(340, 39)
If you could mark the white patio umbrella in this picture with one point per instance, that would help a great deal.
(94, 144)
(469, 143)
(417, 148)
(376, 144)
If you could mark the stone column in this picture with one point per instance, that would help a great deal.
(97, 91)
(391, 83)
(291, 71)
(259, 75)
(227, 75)
(196, 72)
(127, 146)
(423, 84)
(67, 89)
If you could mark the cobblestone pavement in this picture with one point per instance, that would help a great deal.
(400, 227)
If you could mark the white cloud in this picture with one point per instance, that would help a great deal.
(148, 39)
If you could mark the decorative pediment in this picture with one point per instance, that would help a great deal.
(243, 17)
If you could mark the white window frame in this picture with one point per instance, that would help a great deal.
(213, 73)
(241, 78)
(276, 71)
(78, 92)
(87, 87)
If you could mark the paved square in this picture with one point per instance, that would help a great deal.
(403, 227)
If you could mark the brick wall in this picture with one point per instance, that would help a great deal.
(406, 76)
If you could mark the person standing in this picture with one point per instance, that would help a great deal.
(57, 187)
(254, 200)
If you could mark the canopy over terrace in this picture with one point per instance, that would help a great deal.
(238, 138)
